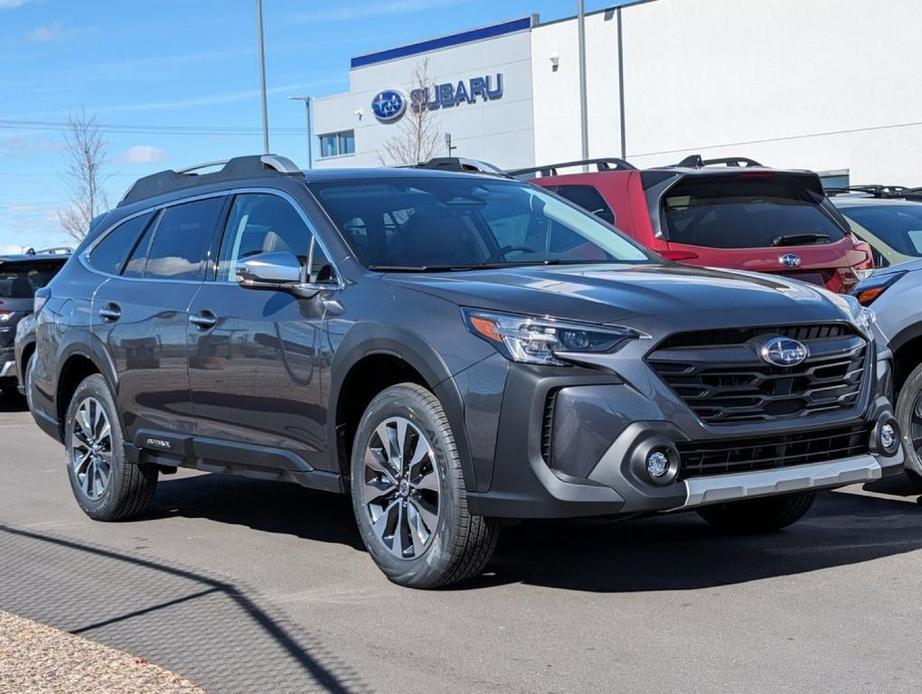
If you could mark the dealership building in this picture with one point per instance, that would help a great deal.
(829, 85)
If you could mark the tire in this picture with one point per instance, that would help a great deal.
(759, 515)
(906, 404)
(414, 518)
(28, 376)
(105, 486)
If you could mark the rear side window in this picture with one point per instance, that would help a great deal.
(181, 241)
(727, 212)
(589, 199)
(110, 254)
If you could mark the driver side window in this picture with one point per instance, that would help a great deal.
(264, 223)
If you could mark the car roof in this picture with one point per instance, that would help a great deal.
(861, 200)
(388, 173)
(34, 257)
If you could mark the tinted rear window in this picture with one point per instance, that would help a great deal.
(899, 226)
(724, 212)
(181, 240)
(589, 199)
(112, 252)
(19, 281)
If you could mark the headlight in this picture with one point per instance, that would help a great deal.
(861, 316)
(538, 340)
(868, 290)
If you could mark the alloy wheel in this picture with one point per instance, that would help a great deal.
(401, 488)
(91, 448)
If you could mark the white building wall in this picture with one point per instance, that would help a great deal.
(817, 84)
(773, 79)
(501, 131)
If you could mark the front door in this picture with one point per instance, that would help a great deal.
(253, 369)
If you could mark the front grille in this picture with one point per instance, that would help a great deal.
(721, 376)
(703, 458)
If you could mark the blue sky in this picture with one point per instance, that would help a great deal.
(166, 77)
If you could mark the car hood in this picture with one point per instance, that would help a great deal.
(634, 293)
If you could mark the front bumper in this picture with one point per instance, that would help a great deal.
(589, 464)
(7, 363)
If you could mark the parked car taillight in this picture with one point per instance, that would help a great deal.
(5, 315)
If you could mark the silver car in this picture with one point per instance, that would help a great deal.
(895, 295)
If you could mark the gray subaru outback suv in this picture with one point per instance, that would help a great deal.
(450, 349)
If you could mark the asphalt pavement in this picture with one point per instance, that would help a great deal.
(242, 585)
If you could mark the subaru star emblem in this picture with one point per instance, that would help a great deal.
(389, 105)
(783, 351)
(790, 260)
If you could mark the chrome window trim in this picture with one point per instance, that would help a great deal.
(311, 227)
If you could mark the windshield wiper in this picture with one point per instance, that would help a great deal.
(799, 239)
(422, 268)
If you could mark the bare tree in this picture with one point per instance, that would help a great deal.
(418, 138)
(85, 155)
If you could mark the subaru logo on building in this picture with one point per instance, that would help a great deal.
(388, 105)
(783, 351)
(790, 260)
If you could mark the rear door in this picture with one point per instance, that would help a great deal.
(141, 313)
(759, 221)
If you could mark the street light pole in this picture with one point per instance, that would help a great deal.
(583, 108)
(262, 74)
(308, 101)
(621, 87)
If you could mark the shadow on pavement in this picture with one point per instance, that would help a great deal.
(204, 627)
(678, 552)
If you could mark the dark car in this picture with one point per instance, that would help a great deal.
(888, 218)
(452, 349)
(20, 276)
(729, 213)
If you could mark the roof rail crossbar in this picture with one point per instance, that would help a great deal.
(235, 168)
(464, 164)
(601, 164)
(696, 162)
(876, 191)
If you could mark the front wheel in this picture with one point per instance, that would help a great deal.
(759, 515)
(408, 493)
(105, 485)
(909, 416)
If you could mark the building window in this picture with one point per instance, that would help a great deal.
(337, 144)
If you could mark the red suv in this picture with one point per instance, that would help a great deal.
(731, 213)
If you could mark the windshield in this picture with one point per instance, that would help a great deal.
(722, 212)
(898, 226)
(460, 223)
(21, 281)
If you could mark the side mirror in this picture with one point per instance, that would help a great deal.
(279, 270)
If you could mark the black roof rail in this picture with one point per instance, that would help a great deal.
(696, 162)
(601, 164)
(460, 164)
(877, 191)
(238, 167)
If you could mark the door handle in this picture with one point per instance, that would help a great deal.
(205, 320)
(110, 313)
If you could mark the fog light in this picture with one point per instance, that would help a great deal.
(657, 464)
(889, 437)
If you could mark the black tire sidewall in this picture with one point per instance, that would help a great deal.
(425, 413)
(106, 506)
(909, 393)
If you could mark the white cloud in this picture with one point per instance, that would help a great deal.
(141, 154)
(52, 32)
(364, 10)
(22, 145)
(10, 250)
(10, 4)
